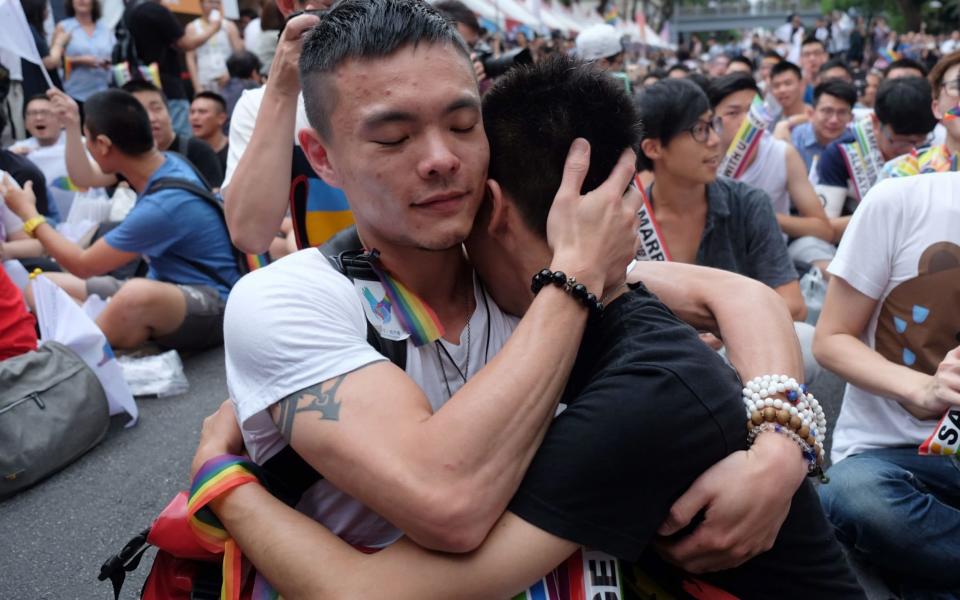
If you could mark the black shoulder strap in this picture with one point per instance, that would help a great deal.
(345, 252)
(175, 183)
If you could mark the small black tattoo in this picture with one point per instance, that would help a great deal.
(311, 399)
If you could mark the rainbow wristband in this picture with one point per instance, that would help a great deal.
(216, 477)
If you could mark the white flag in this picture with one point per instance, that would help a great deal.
(15, 35)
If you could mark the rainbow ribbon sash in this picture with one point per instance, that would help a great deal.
(937, 159)
(413, 314)
(217, 476)
(745, 143)
(945, 439)
(863, 158)
(652, 244)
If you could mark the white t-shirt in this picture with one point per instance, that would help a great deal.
(212, 55)
(768, 171)
(298, 322)
(51, 160)
(251, 35)
(243, 119)
(902, 249)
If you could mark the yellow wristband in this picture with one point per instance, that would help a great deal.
(30, 227)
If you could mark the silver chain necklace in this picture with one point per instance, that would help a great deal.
(465, 371)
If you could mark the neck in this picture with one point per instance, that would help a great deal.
(794, 109)
(442, 278)
(84, 18)
(47, 143)
(165, 145)
(138, 170)
(676, 194)
(216, 140)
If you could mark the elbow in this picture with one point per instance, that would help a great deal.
(798, 310)
(455, 523)
(821, 347)
(245, 233)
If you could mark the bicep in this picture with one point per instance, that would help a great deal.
(801, 190)
(846, 310)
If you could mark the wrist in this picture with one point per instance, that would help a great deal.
(589, 276)
(780, 456)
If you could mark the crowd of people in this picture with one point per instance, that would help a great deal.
(557, 352)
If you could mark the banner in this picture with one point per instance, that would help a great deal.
(587, 574)
(61, 320)
(862, 157)
(652, 244)
(745, 143)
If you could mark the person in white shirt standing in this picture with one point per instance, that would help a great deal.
(208, 62)
(891, 328)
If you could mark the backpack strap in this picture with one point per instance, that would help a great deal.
(345, 252)
(176, 183)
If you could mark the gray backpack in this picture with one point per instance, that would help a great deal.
(52, 410)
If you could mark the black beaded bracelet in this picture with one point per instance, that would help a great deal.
(569, 285)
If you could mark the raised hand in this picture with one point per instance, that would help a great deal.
(284, 74)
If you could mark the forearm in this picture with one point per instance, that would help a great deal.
(839, 225)
(20, 249)
(857, 363)
(81, 170)
(193, 39)
(255, 201)
(799, 226)
(66, 253)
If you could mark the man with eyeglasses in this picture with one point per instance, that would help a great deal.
(702, 218)
(900, 123)
(813, 55)
(945, 80)
(833, 102)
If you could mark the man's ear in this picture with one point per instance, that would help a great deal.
(103, 145)
(935, 107)
(315, 149)
(652, 148)
(498, 209)
(286, 7)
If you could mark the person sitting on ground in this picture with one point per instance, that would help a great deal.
(890, 327)
(678, 71)
(179, 304)
(813, 55)
(244, 70)
(709, 220)
(774, 166)
(18, 334)
(740, 64)
(833, 102)
(904, 67)
(835, 68)
(786, 87)
(208, 113)
(46, 148)
(44, 133)
(945, 82)
(86, 173)
(555, 512)
(901, 121)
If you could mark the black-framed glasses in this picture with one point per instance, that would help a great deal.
(700, 131)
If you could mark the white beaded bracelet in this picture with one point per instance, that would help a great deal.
(798, 412)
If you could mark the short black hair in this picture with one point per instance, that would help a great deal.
(33, 98)
(458, 12)
(743, 60)
(142, 85)
(813, 40)
(783, 66)
(678, 67)
(667, 109)
(904, 105)
(534, 112)
(699, 79)
(117, 115)
(838, 88)
(905, 63)
(836, 63)
(721, 87)
(364, 29)
(249, 12)
(772, 54)
(243, 64)
(217, 98)
(95, 10)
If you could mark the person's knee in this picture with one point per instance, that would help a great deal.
(140, 300)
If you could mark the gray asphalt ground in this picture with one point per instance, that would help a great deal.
(55, 536)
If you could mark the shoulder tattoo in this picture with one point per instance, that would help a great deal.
(320, 400)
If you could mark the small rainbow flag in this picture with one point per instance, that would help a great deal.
(66, 184)
(953, 113)
(413, 314)
(67, 67)
(257, 261)
(889, 55)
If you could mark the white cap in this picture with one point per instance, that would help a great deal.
(598, 41)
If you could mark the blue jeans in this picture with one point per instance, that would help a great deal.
(179, 116)
(900, 512)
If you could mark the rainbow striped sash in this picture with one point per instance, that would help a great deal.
(745, 143)
(412, 313)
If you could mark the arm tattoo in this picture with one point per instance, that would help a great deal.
(312, 399)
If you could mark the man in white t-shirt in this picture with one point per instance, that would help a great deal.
(890, 326)
(413, 162)
(46, 147)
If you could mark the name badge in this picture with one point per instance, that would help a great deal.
(379, 310)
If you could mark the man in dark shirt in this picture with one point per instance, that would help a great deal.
(208, 113)
(161, 39)
(647, 409)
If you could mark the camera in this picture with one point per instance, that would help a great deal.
(494, 66)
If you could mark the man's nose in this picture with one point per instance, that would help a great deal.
(438, 160)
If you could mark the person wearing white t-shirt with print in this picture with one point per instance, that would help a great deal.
(890, 326)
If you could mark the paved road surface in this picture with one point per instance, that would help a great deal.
(55, 536)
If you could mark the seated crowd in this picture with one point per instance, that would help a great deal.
(480, 261)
